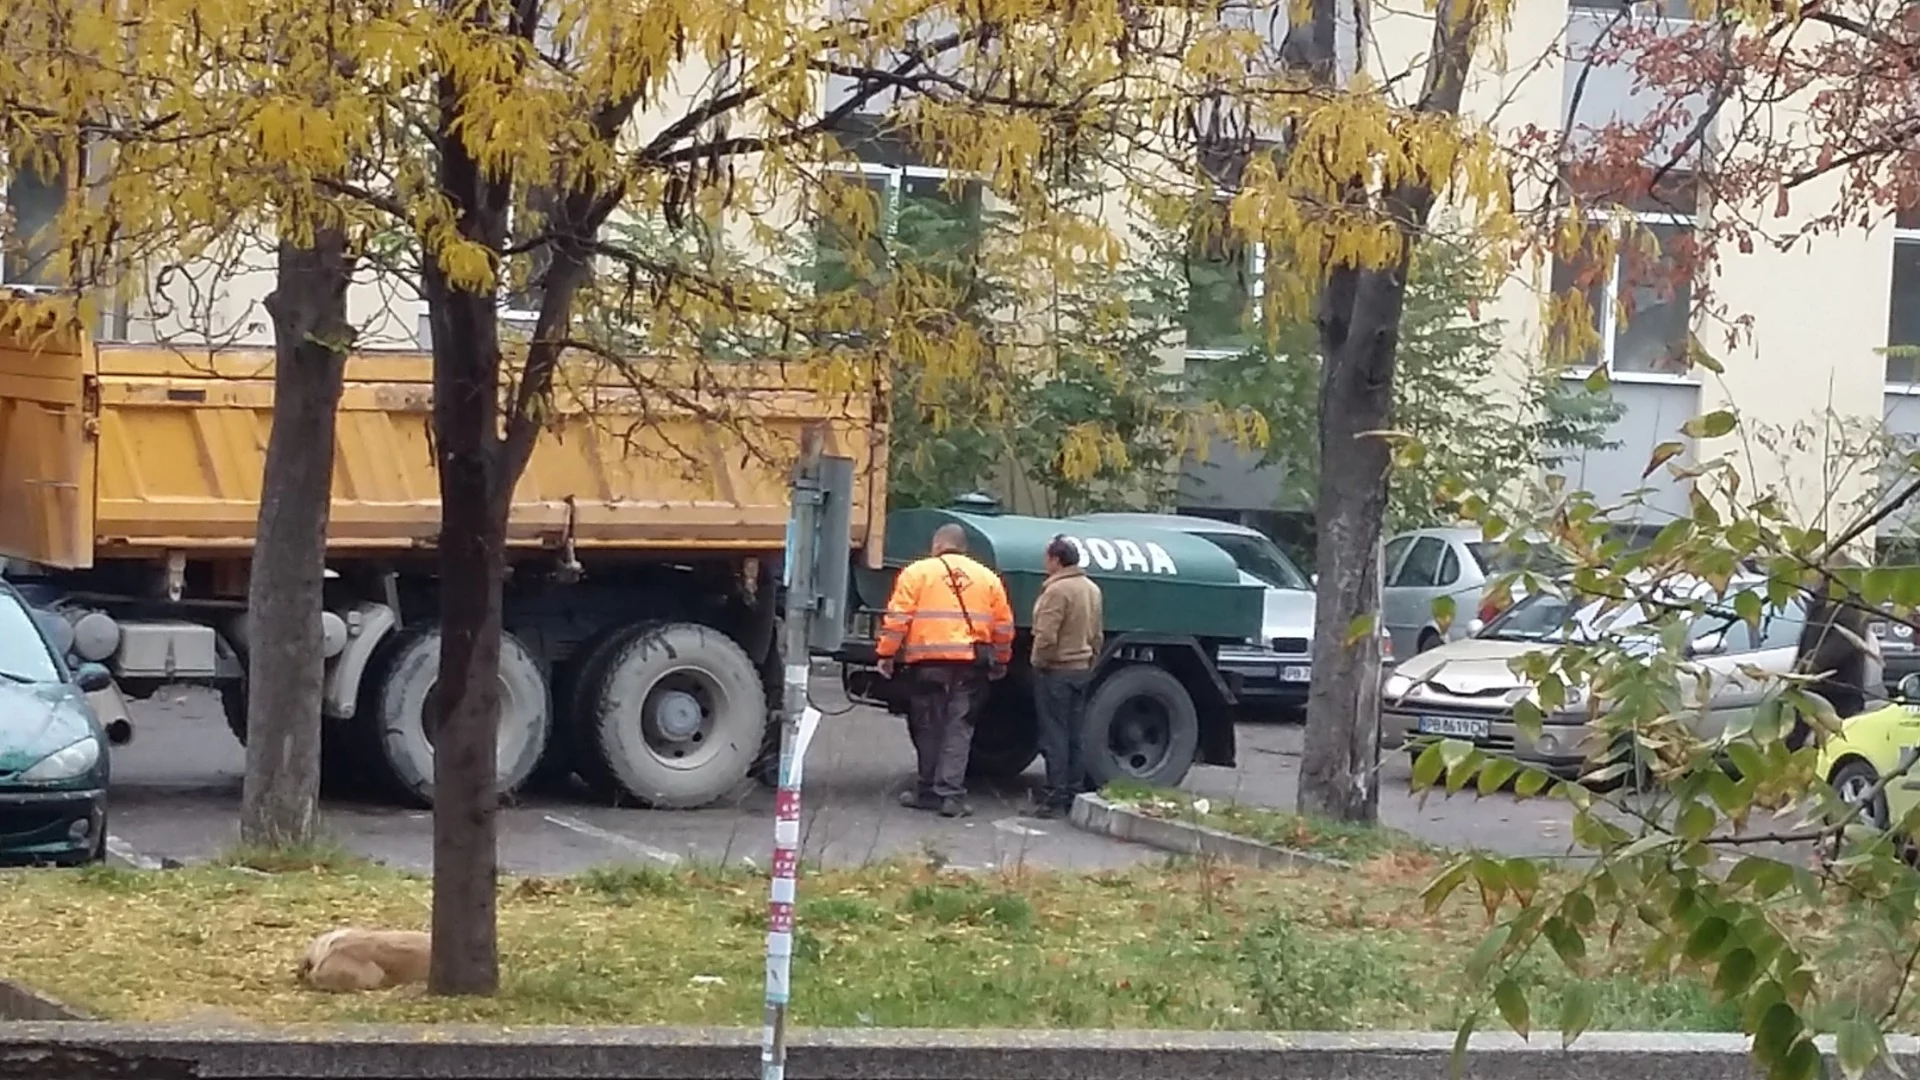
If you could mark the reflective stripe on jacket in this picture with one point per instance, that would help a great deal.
(941, 607)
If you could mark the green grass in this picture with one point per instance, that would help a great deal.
(1340, 840)
(1177, 946)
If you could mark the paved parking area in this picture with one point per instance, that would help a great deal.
(177, 790)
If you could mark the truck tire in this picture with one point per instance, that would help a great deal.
(1141, 726)
(341, 760)
(233, 702)
(1006, 733)
(673, 717)
(562, 761)
(400, 689)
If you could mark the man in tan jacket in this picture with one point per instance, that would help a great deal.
(1068, 632)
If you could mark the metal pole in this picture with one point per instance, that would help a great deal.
(801, 536)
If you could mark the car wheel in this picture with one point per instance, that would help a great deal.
(1429, 640)
(1852, 780)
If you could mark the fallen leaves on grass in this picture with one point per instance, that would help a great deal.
(1181, 946)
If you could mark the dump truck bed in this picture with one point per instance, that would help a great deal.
(134, 451)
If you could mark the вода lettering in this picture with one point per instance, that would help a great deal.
(1141, 557)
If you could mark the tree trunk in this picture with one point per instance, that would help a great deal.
(1360, 313)
(1339, 764)
(279, 806)
(475, 492)
(466, 699)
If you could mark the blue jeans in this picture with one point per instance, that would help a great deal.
(1060, 707)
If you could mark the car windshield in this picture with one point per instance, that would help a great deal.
(1497, 559)
(1553, 618)
(1548, 617)
(1260, 557)
(23, 653)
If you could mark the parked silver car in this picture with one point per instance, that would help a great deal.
(1274, 670)
(1423, 565)
(1468, 689)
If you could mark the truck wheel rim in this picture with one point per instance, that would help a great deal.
(678, 717)
(1141, 736)
(505, 738)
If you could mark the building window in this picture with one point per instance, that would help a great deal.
(1903, 314)
(1225, 273)
(27, 240)
(912, 215)
(1641, 299)
(1665, 9)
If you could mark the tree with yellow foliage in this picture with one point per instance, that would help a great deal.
(583, 155)
(188, 137)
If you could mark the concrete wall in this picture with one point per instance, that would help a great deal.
(77, 1051)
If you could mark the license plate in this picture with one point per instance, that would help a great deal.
(1457, 727)
(1296, 673)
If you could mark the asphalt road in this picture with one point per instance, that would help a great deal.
(176, 796)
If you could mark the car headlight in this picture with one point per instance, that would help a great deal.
(1397, 686)
(66, 762)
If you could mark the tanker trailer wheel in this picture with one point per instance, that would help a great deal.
(404, 687)
(1006, 733)
(1141, 726)
(674, 716)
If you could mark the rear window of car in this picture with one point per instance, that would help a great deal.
(1498, 559)
(1260, 557)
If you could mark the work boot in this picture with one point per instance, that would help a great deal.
(918, 800)
(954, 806)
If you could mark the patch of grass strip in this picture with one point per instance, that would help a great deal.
(1182, 945)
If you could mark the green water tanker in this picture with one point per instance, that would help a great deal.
(1158, 703)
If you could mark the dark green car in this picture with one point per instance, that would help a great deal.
(53, 751)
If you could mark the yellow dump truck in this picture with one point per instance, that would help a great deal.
(644, 542)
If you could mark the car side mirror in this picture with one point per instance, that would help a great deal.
(1708, 645)
(92, 678)
(1908, 688)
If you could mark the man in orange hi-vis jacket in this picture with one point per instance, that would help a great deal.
(950, 625)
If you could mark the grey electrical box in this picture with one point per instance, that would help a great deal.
(832, 556)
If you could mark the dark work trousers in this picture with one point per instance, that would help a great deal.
(1060, 705)
(940, 720)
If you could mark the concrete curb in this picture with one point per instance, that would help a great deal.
(1098, 815)
(58, 1051)
(19, 1003)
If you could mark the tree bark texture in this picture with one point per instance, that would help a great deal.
(1359, 318)
(475, 494)
(279, 805)
(1339, 765)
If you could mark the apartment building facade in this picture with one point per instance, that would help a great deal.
(1812, 359)
(1807, 366)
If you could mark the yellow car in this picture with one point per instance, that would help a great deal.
(1876, 744)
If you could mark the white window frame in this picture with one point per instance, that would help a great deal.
(1256, 291)
(1642, 9)
(896, 177)
(524, 319)
(1901, 236)
(1610, 310)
